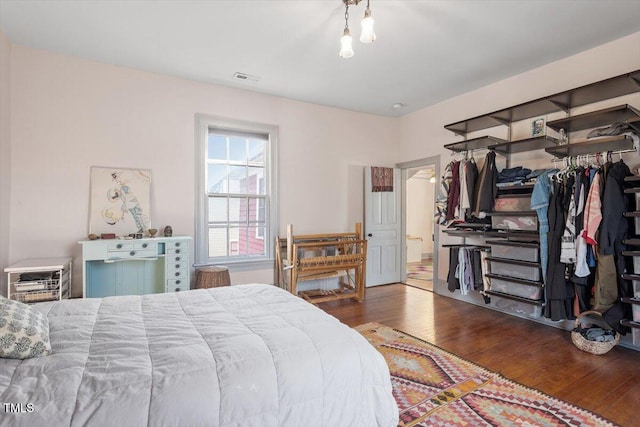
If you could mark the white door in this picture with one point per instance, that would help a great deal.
(382, 225)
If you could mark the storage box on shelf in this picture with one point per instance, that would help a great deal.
(39, 279)
(514, 304)
(519, 251)
(528, 289)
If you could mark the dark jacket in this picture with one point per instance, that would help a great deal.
(486, 190)
(615, 202)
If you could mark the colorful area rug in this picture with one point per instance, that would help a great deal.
(420, 271)
(435, 388)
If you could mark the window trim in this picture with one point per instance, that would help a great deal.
(203, 122)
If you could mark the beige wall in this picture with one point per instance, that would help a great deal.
(69, 114)
(5, 154)
(423, 132)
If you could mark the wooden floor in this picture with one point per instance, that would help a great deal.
(530, 353)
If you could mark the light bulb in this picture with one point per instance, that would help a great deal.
(346, 49)
(367, 35)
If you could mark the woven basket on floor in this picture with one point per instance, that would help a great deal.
(593, 347)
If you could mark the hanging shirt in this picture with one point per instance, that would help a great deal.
(540, 203)
(582, 268)
(486, 190)
(464, 195)
(440, 214)
(568, 244)
(454, 191)
(592, 212)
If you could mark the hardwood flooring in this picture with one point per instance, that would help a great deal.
(530, 353)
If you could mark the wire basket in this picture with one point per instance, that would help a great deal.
(37, 285)
(593, 347)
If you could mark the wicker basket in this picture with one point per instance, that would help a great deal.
(593, 347)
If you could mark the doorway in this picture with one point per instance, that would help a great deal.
(420, 179)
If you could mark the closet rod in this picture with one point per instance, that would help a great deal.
(619, 152)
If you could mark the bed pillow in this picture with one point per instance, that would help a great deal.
(24, 332)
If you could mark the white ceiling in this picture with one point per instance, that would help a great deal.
(425, 52)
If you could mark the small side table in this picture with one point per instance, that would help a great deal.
(212, 277)
(39, 279)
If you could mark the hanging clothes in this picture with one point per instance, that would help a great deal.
(540, 203)
(440, 214)
(485, 191)
(471, 176)
(613, 232)
(558, 292)
(468, 177)
(452, 281)
(466, 269)
(592, 211)
(454, 191)
(568, 242)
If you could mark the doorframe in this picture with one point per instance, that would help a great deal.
(404, 167)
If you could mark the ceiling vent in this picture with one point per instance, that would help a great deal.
(246, 77)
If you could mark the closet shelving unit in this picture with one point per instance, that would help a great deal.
(600, 91)
(565, 101)
(604, 117)
(634, 252)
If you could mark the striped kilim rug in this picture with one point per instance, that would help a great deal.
(435, 388)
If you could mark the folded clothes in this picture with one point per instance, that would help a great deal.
(29, 277)
(513, 174)
(536, 173)
(514, 183)
(613, 129)
(595, 333)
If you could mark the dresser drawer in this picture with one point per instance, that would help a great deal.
(132, 254)
(177, 258)
(176, 265)
(182, 273)
(178, 251)
(178, 244)
(177, 285)
(119, 245)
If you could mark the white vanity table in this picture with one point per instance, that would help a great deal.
(134, 267)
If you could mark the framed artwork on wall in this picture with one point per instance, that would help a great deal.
(538, 127)
(120, 201)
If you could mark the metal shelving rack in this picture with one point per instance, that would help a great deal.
(50, 281)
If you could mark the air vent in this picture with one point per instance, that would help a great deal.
(246, 77)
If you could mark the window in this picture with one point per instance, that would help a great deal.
(235, 215)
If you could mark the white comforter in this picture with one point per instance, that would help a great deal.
(249, 355)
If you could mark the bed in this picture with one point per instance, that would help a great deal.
(248, 355)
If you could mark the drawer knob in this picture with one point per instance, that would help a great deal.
(177, 244)
(177, 251)
(132, 253)
(177, 258)
(119, 246)
(177, 282)
(177, 289)
(177, 273)
(177, 265)
(144, 245)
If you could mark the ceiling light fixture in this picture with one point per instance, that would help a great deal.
(367, 35)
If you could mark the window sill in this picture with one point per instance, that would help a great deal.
(244, 265)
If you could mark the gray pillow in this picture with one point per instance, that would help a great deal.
(24, 332)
